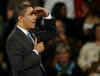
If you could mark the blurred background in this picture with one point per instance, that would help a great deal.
(74, 49)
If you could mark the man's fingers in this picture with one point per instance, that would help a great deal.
(41, 11)
(39, 8)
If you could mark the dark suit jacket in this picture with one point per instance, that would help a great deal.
(22, 60)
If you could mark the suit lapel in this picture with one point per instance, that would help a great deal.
(24, 39)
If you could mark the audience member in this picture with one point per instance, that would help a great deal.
(90, 52)
(64, 66)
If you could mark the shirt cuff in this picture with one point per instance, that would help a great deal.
(36, 52)
(48, 17)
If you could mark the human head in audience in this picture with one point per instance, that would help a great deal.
(95, 35)
(97, 32)
(61, 33)
(59, 10)
(63, 54)
(60, 26)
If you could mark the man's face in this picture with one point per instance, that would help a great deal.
(29, 18)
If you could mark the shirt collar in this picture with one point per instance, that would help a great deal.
(23, 30)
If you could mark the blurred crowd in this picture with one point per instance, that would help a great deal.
(72, 50)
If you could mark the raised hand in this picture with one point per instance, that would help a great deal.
(41, 11)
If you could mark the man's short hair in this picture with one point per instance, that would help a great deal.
(20, 9)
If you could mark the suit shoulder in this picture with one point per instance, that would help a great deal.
(13, 36)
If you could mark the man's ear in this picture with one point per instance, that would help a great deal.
(20, 18)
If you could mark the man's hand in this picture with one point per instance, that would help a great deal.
(41, 11)
(39, 46)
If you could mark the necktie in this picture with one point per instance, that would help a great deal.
(30, 37)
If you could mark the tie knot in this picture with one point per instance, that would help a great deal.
(29, 34)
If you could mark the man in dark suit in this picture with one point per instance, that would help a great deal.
(22, 50)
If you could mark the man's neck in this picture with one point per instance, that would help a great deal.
(25, 31)
(22, 26)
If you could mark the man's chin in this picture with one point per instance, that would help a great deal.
(33, 27)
